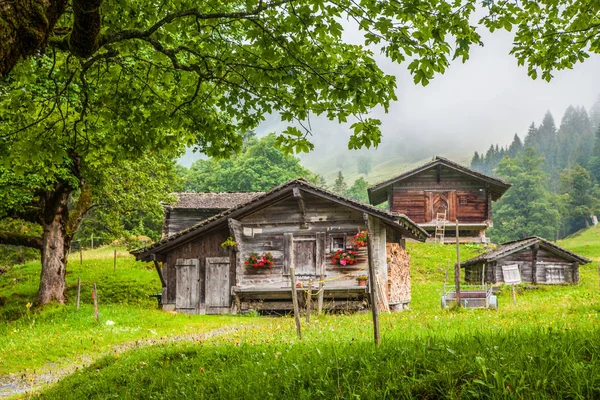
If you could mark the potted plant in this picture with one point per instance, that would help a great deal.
(229, 245)
(343, 257)
(362, 280)
(264, 260)
(361, 238)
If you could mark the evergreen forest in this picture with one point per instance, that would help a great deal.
(555, 173)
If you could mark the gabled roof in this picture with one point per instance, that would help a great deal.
(508, 248)
(203, 201)
(378, 192)
(394, 220)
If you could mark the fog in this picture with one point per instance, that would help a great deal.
(485, 100)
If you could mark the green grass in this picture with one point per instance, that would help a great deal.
(585, 242)
(547, 345)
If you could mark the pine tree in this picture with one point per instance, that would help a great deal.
(527, 208)
(579, 194)
(358, 190)
(531, 136)
(515, 147)
(476, 162)
(593, 164)
(340, 185)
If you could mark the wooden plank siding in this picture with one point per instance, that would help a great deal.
(550, 268)
(208, 245)
(422, 196)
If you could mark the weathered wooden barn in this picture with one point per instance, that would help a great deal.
(443, 188)
(191, 208)
(538, 261)
(295, 224)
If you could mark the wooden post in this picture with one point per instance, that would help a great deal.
(308, 301)
(534, 254)
(80, 254)
(457, 267)
(115, 262)
(95, 293)
(320, 297)
(92, 241)
(514, 295)
(295, 301)
(372, 281)
(78, 292)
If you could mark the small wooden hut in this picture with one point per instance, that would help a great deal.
(296, 224)
(443, 187)
(537, 260)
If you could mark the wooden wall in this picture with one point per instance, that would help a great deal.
(178, 219)
(421, 196)
(550, 268)
(208, 245)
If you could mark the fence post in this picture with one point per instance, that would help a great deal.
(115, 262)
(78, 291)
(295, 302)
(95, 303)
(457, 267)
(92, 240)
(320, 297)
(308, 301)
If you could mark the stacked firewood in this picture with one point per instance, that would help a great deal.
(398, 261)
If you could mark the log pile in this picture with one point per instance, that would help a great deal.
(398, 261)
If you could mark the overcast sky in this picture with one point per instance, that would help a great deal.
(486, 100)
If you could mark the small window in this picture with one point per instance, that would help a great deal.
(338, 243)
(462, 200)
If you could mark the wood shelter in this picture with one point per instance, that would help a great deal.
(191, 208)
(300, 225)
(537, 260)
(443, 187)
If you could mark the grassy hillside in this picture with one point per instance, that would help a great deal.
(382, 167)
(585, 242)
(545, 345)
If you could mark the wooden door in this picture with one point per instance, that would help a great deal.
(442, 202)
(218, 298)
(305, 252)
(188, 288)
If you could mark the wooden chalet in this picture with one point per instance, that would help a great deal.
(437, 194)
(537, 260)
(300, 225)
(191, 208)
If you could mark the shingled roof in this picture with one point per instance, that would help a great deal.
(508, 248)
(378, 192)
(219, 201)
(270, 197)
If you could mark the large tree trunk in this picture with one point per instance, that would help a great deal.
(55, 249)
(56, 241)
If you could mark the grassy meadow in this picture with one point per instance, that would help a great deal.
(548, 345)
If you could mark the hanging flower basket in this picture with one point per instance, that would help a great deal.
(361, 238)
(264, 260)
(343, 257)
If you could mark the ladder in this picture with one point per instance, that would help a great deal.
(440, 227)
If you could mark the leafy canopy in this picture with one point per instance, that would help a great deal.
(258, 167)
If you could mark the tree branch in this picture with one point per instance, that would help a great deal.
(18, 239)
(143, 34)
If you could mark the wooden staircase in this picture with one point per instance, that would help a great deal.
(440, 227)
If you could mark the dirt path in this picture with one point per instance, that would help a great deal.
(25, 383)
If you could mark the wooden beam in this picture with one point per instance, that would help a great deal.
(439, 173)
(160, 275)
(534, 256)
(457, 268)
(372, 280)
(301, 206)
(295, 302)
